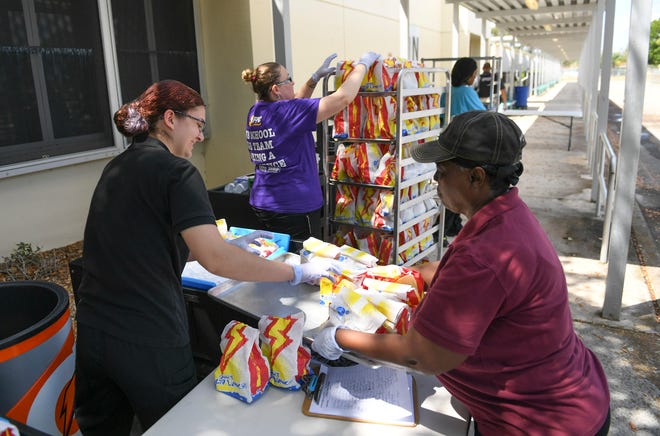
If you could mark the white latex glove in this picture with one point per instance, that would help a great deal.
(311, 271)
(368, 58)
(244, 241)
(324, 69)
(326, 345)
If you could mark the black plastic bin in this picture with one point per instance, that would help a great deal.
(234, 208)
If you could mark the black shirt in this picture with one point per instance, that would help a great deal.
(484, 85)
(133, 252)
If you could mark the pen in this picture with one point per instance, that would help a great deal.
(319, 386)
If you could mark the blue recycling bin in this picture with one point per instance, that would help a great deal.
(520, 95)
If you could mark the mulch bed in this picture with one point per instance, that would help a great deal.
(57, 271)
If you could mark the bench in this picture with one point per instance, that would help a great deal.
(550, 114)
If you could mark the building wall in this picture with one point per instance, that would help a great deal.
(49, 208)
(227, 50)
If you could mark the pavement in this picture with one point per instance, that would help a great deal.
(556, 185)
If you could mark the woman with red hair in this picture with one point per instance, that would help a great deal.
(149, 214)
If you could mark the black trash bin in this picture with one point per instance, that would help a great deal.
(234, 208)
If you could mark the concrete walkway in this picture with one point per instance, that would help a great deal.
(556, 185)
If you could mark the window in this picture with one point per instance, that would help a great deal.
(54, 87)
(53, 78)
(154, 43)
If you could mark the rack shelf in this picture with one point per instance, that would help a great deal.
(408, 242)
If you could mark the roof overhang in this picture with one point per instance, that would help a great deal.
(558, 28)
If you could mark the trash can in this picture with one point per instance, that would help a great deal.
(520, 95)
(234, 208)
(37, 356)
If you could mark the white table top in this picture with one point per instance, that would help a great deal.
(207, 412)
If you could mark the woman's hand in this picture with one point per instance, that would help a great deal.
(325, 69)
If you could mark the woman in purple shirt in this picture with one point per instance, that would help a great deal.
(286, 194)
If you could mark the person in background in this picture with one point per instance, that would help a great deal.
(149, 214)
(495, 325)
(286, 195)
(463, 99)
(504, 99)
(485, 80)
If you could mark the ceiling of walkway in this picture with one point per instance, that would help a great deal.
(556, 27)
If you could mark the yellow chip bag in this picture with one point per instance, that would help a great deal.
(281, 343)
(243, 371)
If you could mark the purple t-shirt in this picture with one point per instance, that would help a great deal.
(282, 148)
(499, 296)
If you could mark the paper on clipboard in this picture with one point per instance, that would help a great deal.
(359, 393)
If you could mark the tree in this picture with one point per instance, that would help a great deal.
(619, 59)
(654, 43)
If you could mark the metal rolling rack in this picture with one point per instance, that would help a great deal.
(440, 80)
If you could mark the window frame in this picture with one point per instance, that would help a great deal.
(113, 86)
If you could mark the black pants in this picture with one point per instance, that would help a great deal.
(453, 223)
(299, 226)
(603, 431)
(116, 380)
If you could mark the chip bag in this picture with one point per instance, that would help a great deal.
(346, 198)
(281, 343)
(346, 163)
(348, 121)
(369, 155)
(377, 78)
(353, 310)
(243, 371)
(365, 206)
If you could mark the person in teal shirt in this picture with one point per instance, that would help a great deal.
(464, 98)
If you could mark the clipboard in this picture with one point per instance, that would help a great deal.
(384, 405)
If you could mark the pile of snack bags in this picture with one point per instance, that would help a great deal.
(363, 296)
(375, 117)
(252, 359)
(366, 296)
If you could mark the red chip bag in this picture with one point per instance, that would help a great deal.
(348, 121)
(346, 163)
(368, 156)
(377, 78)
(345, 200)
(386, 172)
(385, 251)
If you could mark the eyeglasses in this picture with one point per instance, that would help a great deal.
(200, 126)
(285, 81)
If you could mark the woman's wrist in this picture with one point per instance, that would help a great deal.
(311, 84)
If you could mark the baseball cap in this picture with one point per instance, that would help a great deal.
(479, 136)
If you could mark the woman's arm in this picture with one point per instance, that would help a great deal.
(223, 259)
(412, 350)
(427, 270)
(306, 90)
